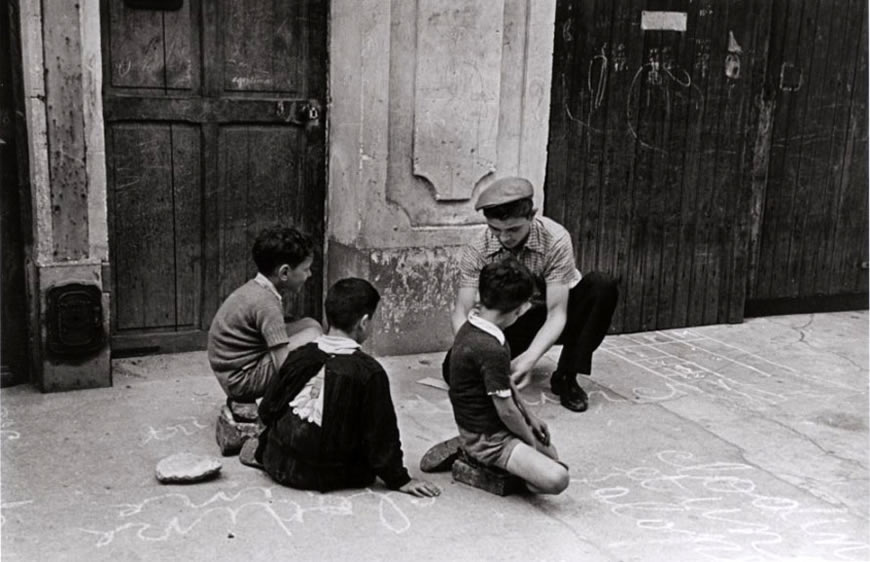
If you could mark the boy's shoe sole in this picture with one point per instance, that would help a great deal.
(441, 456)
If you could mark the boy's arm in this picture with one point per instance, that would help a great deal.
(381, 434)
(557, 314)
(279, 354)
(513, 418)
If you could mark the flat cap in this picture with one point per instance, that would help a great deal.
(504, 190)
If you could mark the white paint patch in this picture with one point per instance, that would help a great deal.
(663, 21)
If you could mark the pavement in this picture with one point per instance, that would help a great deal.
(729, 442)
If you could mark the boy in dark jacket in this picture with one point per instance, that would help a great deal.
(329, 417)
(495, 428)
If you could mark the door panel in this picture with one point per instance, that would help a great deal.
(647, 163)
(205, 152)
(813, 233)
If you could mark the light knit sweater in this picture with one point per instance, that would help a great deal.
(248, 323)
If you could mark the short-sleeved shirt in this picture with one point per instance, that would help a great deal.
(548, 253)
(479, 368)
(246, 326)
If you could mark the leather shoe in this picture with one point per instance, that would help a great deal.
(570, 394)
(440, 457)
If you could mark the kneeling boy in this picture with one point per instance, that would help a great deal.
(495, 428)
(330, 422)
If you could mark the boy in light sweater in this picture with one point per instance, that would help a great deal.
(249, 339)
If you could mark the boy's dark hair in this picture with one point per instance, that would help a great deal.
(348, 300)
(278, 245)
(505, 285)
(521, 208)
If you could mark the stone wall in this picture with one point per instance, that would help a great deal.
(430, 102)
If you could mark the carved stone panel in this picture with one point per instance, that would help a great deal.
(458, 74)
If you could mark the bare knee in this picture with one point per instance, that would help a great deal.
(555, 482)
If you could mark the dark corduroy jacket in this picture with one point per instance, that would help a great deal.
(358, 439)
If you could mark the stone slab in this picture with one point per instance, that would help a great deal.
(230, 434)
(186, 468)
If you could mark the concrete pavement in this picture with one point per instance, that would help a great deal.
(730, 442)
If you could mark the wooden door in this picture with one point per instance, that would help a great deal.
(14, 191)
(811, 238)
(213, 131)
(647, 159)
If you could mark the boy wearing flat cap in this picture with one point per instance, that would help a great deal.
(569, 308)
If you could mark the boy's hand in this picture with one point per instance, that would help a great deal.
(540, 430)
(521, 370)
(421, 489)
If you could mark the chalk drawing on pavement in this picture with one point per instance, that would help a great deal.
(284, 508)
(188, 426)
(5, 424)
(685, 363)
(672, 495)
(9, 505)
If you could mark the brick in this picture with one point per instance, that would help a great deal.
(492, 480)
(231, 434)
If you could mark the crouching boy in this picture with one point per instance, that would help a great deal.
(495, 428)
(329, 417)
(249, 337)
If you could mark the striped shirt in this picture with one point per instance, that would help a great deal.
(547, 252)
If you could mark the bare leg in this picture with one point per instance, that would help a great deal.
(542, 473)
(302, 331)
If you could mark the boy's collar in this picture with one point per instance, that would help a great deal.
(486, 326)
(265, 282)
(336, 345)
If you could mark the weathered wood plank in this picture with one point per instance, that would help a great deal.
(626, 146)
(65, 121)
(702, 215)
(686, 102)
(824, 101)
(851, 245)
(804, 153)
(188, 233)
(837, 105)
(181, 36)
(142, 243)
(780, 73)
(136, 47)
(234, 180)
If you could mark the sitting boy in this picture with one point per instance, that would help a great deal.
(330, 422)
(495, 429)
(249, 339)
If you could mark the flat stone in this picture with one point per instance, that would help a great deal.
(187, 468)
(245, 412)
(492, 480)
(230, 434)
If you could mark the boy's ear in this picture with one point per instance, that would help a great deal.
(283, 270)
(364, 322)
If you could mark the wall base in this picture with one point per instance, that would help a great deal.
(54, 374)
(417, 287)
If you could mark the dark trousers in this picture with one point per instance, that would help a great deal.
(590, 309)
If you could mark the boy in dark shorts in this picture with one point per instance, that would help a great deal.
(495, 429)
(249, 337)
(329, 417)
